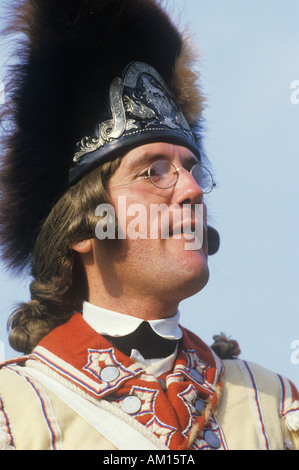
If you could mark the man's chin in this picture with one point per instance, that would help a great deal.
(193, 284)
(192, 270)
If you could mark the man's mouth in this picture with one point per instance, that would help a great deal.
(193, 231)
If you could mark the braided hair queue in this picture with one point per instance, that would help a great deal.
(59, 284)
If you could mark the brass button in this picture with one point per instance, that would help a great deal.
(199, 406)
(197, 376)
(212, 439)
(109, 374)
(131, 404)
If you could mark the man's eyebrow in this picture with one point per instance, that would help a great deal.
(148, 158)
(190, 160)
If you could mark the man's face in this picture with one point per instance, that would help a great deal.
(161, 266)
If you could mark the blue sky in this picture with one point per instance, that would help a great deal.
(250, 53)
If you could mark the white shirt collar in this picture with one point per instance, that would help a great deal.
(108, 322)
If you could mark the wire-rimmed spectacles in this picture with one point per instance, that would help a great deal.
(164, 174)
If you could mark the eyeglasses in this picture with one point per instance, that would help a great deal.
(164, 174)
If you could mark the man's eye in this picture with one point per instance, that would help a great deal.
(143, 173)
(152, 172)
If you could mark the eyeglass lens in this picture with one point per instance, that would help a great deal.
(164, 174)
(203, 178)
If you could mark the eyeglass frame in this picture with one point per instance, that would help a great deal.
(177, 169)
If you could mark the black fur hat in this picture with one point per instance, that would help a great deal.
(69, 53)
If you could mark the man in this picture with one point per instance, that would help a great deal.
(107, 112)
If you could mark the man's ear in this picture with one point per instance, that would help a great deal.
(85, 246)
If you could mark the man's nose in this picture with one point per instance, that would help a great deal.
(187, 189)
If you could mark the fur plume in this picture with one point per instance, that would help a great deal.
(70, 52)
(185, 83)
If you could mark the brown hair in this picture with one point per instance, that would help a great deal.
(59, 283)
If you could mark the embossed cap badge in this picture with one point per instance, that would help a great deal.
(143, 110)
